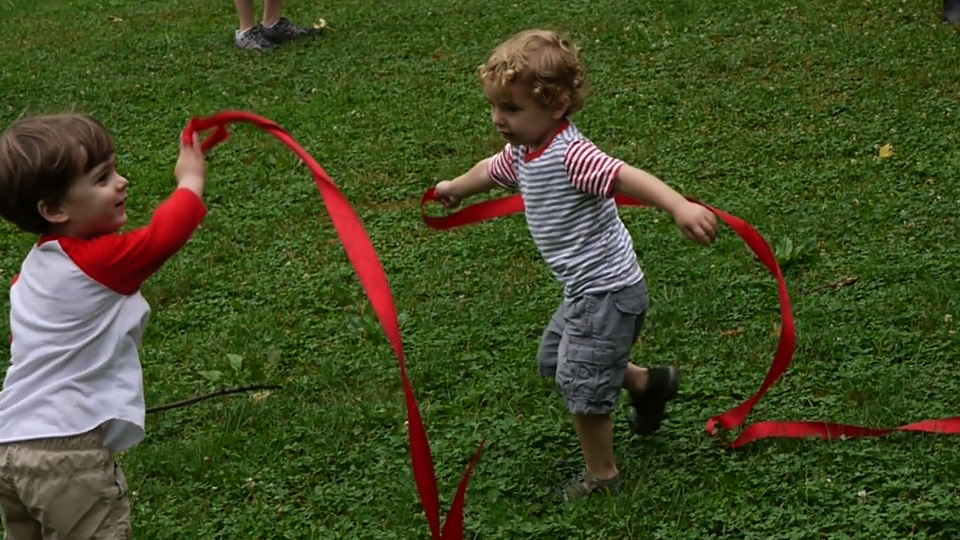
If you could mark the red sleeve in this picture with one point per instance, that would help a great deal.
(124, 261)
(501, 170)
(590, 169)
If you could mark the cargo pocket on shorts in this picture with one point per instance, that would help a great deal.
(632, 300)
(585, 373)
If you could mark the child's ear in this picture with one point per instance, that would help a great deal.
(53, 213)
(561, 107)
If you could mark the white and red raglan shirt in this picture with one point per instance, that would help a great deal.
(568, 197)
(77, 319)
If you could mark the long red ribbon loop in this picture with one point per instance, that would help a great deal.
(735, 417)
(370, 271)
(364, 258)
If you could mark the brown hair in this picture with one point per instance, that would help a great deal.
(545, 61)
(40, 157)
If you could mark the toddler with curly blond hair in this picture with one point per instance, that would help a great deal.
(535, 81)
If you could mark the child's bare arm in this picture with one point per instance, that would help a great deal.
(697, 222)
(646, 187)
(472, 182)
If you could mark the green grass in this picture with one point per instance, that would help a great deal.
(772, 111)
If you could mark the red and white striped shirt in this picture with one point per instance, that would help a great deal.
(567, 191)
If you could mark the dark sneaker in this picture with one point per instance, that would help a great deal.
(650, 405)
(584, 484)
(285, 30)
(253, 39)
(951, 11)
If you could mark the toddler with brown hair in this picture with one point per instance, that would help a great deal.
(72, 397)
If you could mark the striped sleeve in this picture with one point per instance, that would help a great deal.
(501, 169)
(590, 169)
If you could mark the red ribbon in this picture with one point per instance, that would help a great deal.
(367, 265)
(736, 416)
(364, 258)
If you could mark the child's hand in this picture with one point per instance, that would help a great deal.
(445, 194)
(697, 222)
(191, 161)
(191, 167)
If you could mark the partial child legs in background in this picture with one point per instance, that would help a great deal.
(272, 31)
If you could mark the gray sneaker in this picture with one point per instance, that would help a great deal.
(253, 39)
(285, 30)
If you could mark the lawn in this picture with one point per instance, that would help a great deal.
(780, 113)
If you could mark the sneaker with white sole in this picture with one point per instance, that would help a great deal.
(253, 39)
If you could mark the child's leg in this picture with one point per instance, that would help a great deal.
(596, 441)
(72, 486)
(636, 378)
(649, 388)
(272, 9)
(593, 355)
(596, 431)
(245, 14)
(250, 35)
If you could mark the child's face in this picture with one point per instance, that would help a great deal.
(518, 117)
(94, 205)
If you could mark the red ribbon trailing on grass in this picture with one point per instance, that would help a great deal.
(365, 261)
(364, 258)
(735, 417)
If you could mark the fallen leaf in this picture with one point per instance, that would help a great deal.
(732, 332)
(258, 397)
(114, 18)
(885, 151)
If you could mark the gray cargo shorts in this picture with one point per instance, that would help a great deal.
(587, 345)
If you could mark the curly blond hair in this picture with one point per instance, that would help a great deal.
(548, 63)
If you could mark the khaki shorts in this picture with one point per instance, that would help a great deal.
(63, 489)
(587, 343)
